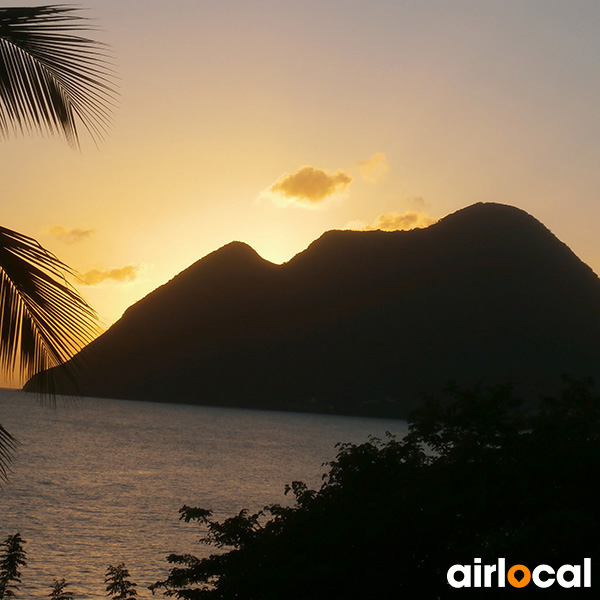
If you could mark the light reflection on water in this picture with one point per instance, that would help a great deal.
(101, 482)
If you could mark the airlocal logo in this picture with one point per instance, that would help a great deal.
(543, 576)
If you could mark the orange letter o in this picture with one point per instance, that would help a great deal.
(514, 581)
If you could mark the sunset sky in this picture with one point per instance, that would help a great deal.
(273, 121)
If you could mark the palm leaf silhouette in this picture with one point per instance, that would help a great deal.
(50, 78)
(7, 447)
(43, 320)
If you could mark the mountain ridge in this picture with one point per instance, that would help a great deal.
(360, 322)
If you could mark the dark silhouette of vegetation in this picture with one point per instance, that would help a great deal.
(51, 81)
(13, 557)
(59, 590)
(7, 448)
(118, 585)
(479, 475)
(44, 320)
(11, 560)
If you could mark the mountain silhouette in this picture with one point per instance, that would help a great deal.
(360, 322)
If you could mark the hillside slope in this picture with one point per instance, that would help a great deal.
(360, 322)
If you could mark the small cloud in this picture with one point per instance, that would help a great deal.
(69, 236)
(308, 187)
(374, 168)
(394, 221)
(96, 276)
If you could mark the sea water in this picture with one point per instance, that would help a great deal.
(98, 482)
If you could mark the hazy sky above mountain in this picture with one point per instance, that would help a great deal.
(273, 121)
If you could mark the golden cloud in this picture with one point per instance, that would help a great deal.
(308, 187)
(374, 168)
(393, 221)
(95, 276)
(69, 236)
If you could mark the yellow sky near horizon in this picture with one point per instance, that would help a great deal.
(272, 122)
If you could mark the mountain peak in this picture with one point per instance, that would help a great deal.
(361, 322)
(232, 258)
(234, 251)
(489, 216)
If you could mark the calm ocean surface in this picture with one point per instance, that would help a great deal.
(101, 481)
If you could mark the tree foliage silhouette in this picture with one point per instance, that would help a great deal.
(59, 590)
(11, 560)
(52, 80)
(118, 585)
(479, 475)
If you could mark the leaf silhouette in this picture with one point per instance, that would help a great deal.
(7, 448)
(51, 78)
(43, 319)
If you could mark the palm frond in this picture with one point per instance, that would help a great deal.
(7, 448)
(51, 78)
(43, 320)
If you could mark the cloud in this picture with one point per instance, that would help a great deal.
(95, 276)
(394, 221)
(374, 168)
(69, 236)
(308, 187)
